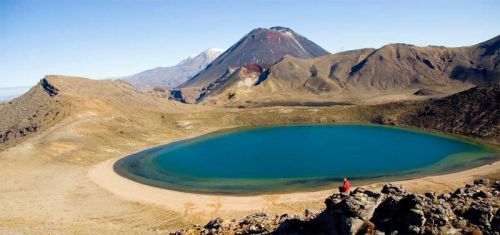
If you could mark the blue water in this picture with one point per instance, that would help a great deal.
(294, 158)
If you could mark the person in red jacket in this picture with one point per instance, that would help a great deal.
(346, 187)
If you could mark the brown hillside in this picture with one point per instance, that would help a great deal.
(260, 46)
(56, 99)
(474, 112)
(393, 72)
(45, 174)
(35, 111)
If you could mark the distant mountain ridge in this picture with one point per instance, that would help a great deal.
(350, 76)
(260, 46)
(171, 77)
(9, 93)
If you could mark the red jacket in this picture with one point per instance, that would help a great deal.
(347, 186)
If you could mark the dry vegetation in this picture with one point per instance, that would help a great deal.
(45, 187)
(393, 72)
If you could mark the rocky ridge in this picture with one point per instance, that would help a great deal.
(172, 76)
(260, 46)
(414, 71)
(474, 113)
(470, 209)
(32, 112)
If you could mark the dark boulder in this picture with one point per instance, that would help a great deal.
(386, 216)
(214, 224)
(393, 189)
(480, 215)
(431, 195)
(482, 194)
(411, 201)
(495, 222)
(470, 209)
(415, 217)
(382, 120)
(481, 182)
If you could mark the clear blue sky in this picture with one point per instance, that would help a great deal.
(99, 38)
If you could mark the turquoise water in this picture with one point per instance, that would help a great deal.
(297, 158)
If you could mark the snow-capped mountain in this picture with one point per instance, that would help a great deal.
(171, 77)
(261, 46)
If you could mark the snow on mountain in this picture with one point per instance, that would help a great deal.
(261, 46)
(171, 77)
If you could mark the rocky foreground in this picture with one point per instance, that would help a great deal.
(472, 209)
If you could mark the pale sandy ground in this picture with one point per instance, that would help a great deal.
(60, 181)
(40, 195)
(104, 175)
(46, 189)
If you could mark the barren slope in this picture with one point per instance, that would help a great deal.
(260, 46)
(171, 77)
(33, 112)
(474, 112)
(58, 98)
(45, 186)
(393, 72)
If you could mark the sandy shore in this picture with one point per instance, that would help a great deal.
(191, 203)
(61, 180)
(104, 175)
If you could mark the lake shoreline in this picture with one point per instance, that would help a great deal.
(46, 184)
(103, 175)
(228, 206)
(139, 165)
